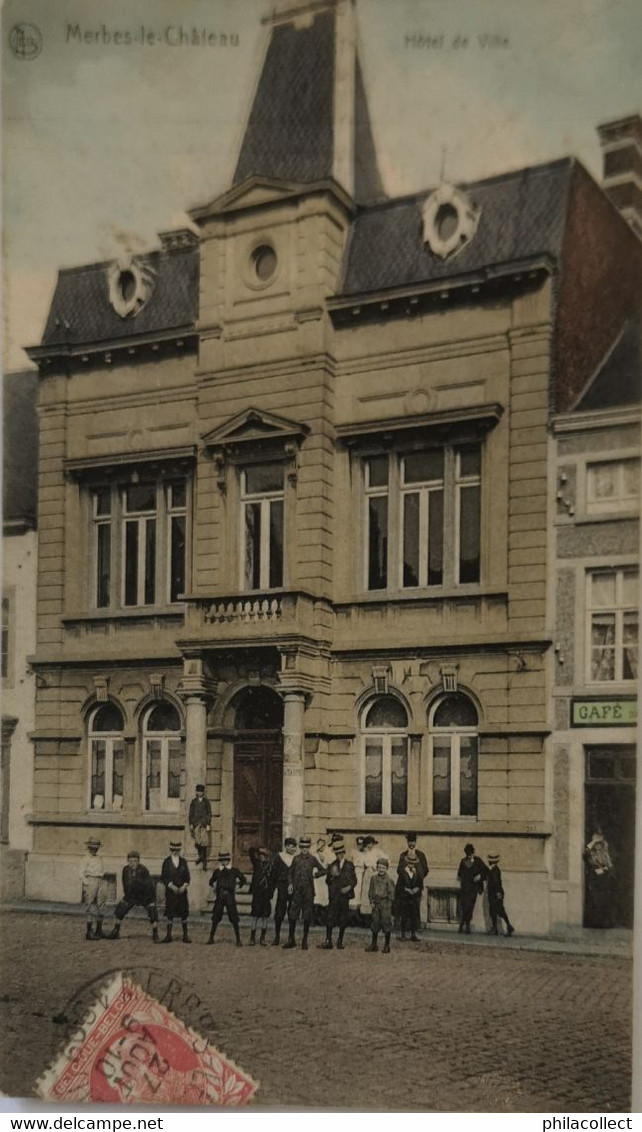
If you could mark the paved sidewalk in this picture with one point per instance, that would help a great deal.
(573, 941)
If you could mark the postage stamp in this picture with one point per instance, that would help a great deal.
(130, 1048)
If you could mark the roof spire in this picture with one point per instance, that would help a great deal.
(309, 120)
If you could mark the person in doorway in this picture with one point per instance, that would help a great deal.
(200, 824)
(261, 890)
(495, 890)
(381, 894)
(138, 891)
(176, 878)
(301, 888)
(472, 873)
(600, 887)
(225, 880)
(411, 838)
(92, 874)
(281, 872)
(341, 880)
(410, 885)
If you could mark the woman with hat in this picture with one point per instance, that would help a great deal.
(175, 876)
(301, 888)
(369, 868)
(93, 889)
(495, 892)
(341, 879)
(261, 888)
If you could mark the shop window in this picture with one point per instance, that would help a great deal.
(262, 503)
(163, 759)
(454, 747)
(385, 757)
(107, 755)
(139, 543)
(612, 486)
(612, 600)
(423, 518)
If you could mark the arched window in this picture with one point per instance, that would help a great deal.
(453, 734)
(385, 757)
(107, 758)
(162, 759)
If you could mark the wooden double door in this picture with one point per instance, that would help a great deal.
(258, 794)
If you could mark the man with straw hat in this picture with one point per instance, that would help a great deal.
(175, 876)
(495, 890)
(93, 889)
(341, 879)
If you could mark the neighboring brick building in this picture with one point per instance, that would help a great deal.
(19, 563)
(596, 588)
(295, 506)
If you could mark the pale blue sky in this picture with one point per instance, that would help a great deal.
(104, 143)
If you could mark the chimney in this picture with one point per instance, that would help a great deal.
(621, 141)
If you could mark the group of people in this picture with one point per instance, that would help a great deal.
(293, 876)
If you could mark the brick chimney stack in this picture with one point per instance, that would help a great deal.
(621, 141)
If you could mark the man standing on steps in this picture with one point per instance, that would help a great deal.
(281, 875)
(175, 876)
(200, 824)
(341, 879)
(301, 888)
(138, 889)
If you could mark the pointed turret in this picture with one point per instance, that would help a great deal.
(309, 120)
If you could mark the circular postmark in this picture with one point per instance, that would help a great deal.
(139, 1036)
(25, 41)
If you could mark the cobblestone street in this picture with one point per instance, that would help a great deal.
(483, 1028)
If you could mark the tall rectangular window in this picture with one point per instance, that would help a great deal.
(139, 522)
(422, 488)
(102, 546)
(468, 498)
(6, 629)
(376, 486)
(613, 600)
(262, 500)
(177, 531)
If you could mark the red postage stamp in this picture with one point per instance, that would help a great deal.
(131, 1049)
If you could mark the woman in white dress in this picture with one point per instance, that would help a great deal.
(370, 855)
(323, 854)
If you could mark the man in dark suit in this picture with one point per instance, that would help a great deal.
(175, 876)
(341, 879)
(280, 877)
(225, 880)
(138, 889)
(495, 890)
(200, 824)
(421, 861)
(472, 873)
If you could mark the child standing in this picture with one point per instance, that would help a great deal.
(175, 876)
(304, 869)
(381, 894)
(224, 880)
(93, 889)
(495, 890)
(261, 888)
(408, 894)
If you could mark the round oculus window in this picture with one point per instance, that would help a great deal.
(264, 262)
(446, 221)
(127, 285)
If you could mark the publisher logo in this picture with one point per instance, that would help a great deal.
(25, 41)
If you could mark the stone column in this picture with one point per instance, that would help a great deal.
(197, 691)
(293, 763)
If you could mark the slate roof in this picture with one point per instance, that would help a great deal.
(619, 379)
(290, 130)
(522, 216)
(81, 299)
(19, 446)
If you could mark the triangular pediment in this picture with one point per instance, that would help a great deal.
(253, 426)
(252, 192)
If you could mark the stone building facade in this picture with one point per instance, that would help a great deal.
(596, 600)
(295, 504)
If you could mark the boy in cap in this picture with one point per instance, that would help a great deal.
(93, 889)
(410, 884)
(200, 824)
(301, 888)
(472, 873)
(381, 895)
(224, 880)
(261, 890)
(138, 890)
(495, 892)
(341, 879)
(175, 876)
(281, 870)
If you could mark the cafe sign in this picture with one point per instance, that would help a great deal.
(604, 713)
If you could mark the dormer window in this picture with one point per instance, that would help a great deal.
(450, 221)
(130, 286)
